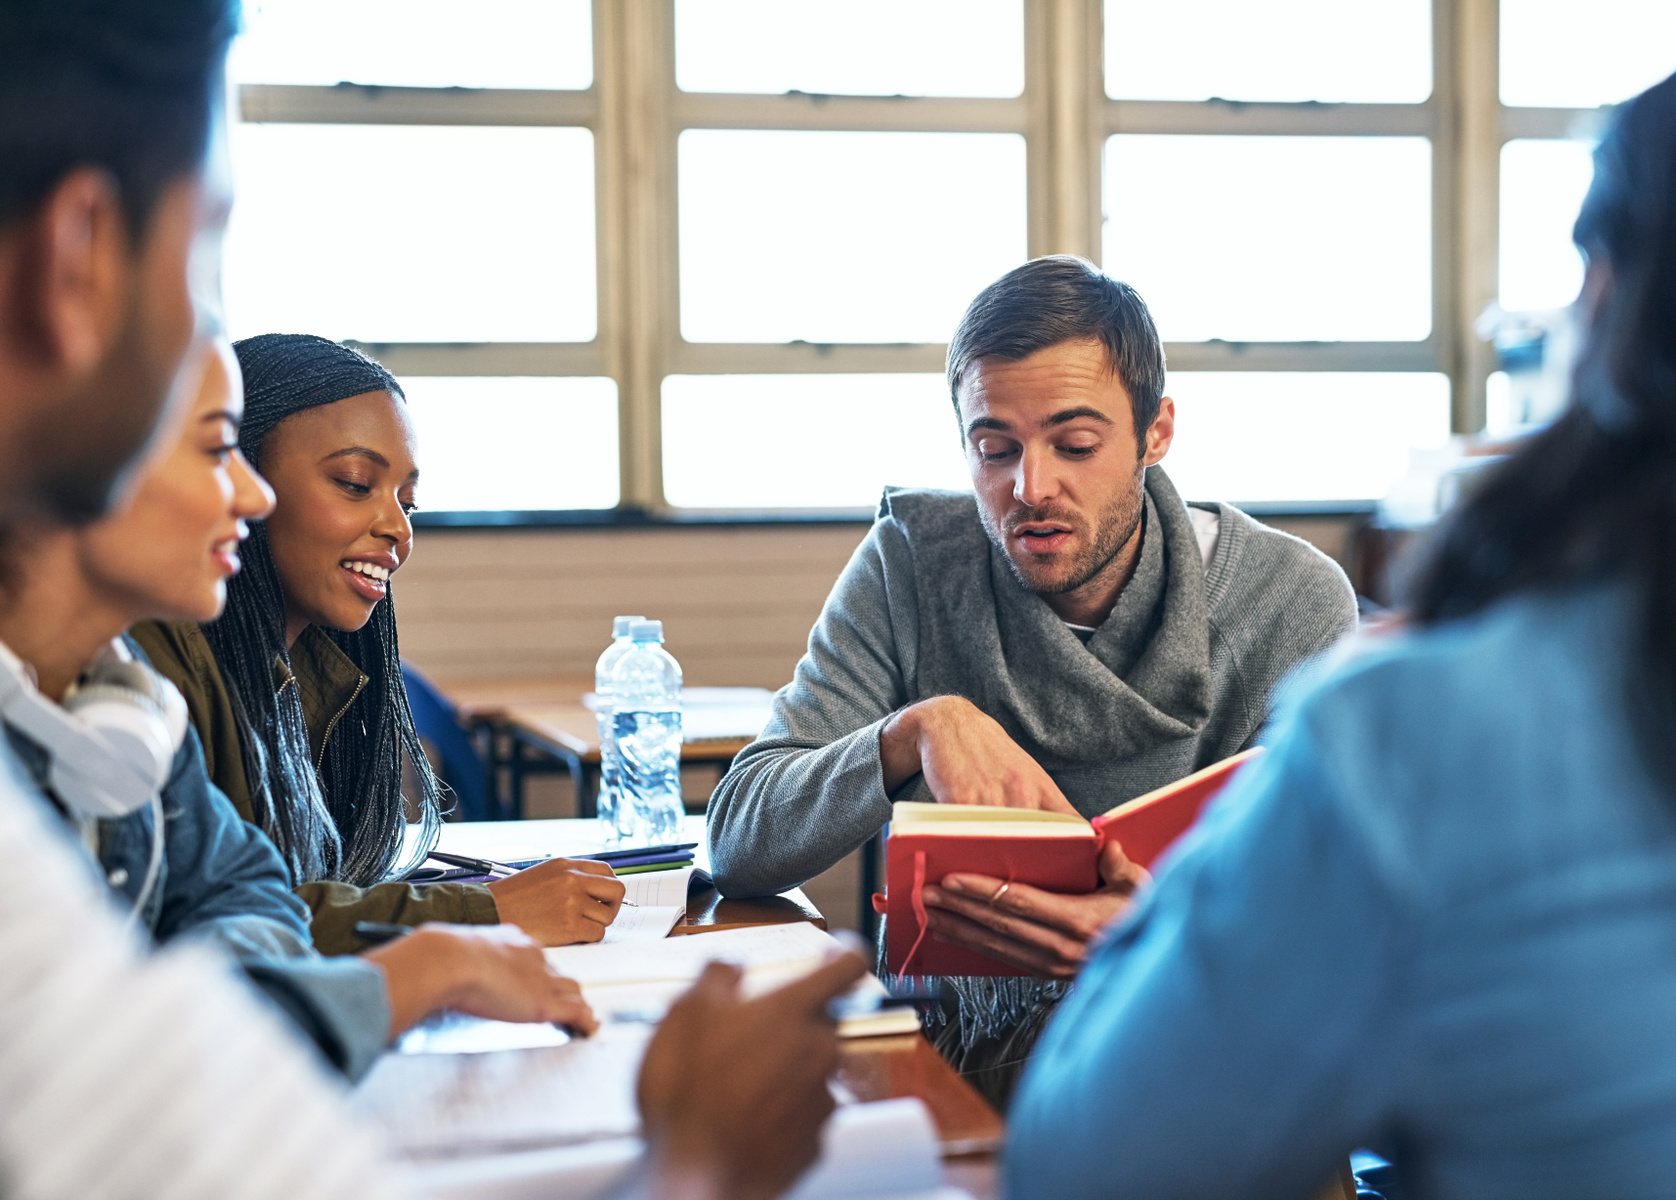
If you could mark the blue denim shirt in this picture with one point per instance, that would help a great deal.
(222, 881)
(1438, 919)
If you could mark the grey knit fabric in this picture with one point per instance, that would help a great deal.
(1176, 678)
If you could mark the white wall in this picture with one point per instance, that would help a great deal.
(737, 602)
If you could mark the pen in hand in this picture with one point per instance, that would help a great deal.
(379, 932)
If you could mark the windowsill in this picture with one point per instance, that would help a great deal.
(640, 518)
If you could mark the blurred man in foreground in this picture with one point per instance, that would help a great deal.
(127, 1074)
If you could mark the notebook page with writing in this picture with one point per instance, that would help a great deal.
(657, 889)
(643, 923)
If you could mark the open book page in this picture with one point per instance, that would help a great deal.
(657, 889)
(913, 814)
(883, 1151)
(643, 923)
(768, 953)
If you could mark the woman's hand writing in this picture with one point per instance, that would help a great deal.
(561, 901)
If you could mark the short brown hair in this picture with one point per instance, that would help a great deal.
(1063, 298)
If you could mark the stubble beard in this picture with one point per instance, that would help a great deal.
(1116, 525)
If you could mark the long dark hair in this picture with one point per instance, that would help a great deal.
(344, 820)
(1593, 497)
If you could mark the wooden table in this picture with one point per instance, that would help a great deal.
(544, 714)
(881, 1068)
(969, 1130)
(488, 698)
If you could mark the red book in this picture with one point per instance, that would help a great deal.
(1057, 852)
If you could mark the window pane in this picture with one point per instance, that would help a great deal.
(843, 237)
(858, 47)
(417, 43)
(1274, 238)
(392, 233)
(514, 442)
(1252, 437)
(1577, 54)
(806, 441)
(1542, 187)
(1353, 51)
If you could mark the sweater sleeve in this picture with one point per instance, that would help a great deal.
(811, 788)
(337, 906)
(341, 1004)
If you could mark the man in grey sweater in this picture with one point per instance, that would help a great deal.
(1069, 636)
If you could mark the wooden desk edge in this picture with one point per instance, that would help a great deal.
(546, 726)
(906, 1064)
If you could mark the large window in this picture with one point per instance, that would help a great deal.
(705, 254)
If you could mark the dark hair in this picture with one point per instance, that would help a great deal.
(1063, 298)
(1594, 495)
(345, 821)
(126, 85)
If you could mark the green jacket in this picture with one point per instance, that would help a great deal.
(327, 682)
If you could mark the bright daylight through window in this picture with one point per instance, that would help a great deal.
(705, 254)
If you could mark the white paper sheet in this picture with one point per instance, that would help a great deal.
(767, 952)
(631, 983)
(882, 1151)
(443, 1104)
(657, 888)
(643, 923)
(638, 981)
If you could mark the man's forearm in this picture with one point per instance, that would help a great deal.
(785, 813)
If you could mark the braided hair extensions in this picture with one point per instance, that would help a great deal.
(345, 819)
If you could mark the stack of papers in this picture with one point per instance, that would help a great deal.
(631, 981)
(638, 982)
(882, 1151)
(441, 1104)
(503, 1111)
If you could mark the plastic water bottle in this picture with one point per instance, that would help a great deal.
(646, 716)
(609, 786)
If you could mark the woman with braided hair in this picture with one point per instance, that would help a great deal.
(296, 691)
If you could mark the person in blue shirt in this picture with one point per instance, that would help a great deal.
(1438, 918)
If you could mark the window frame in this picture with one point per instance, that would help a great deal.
(636, 114)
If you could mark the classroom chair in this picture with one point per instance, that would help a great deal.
(462, 768)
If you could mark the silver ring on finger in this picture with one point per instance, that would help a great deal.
(999, 892)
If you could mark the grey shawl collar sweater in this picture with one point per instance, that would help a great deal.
(1176, 678)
